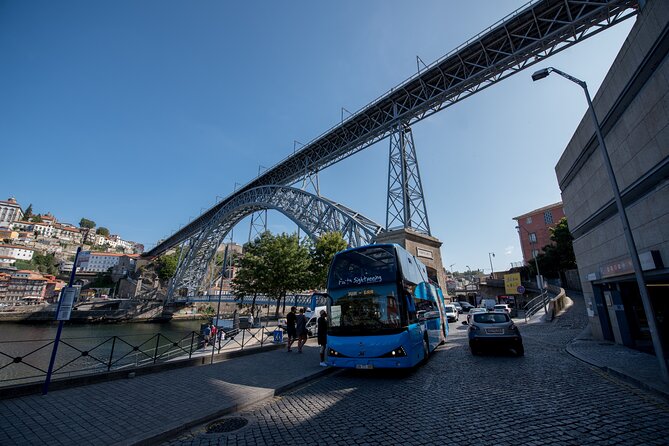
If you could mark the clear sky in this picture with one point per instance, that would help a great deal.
(138, 114)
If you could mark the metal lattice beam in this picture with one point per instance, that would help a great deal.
(314, 215)
(518, 41)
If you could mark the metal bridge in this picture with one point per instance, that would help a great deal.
(522, 39)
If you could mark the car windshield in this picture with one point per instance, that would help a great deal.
(491, 318)
(449, 308)
(500, 307)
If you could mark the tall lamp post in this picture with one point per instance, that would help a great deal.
(629, 238)
(490, 256)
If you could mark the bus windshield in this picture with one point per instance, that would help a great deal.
(365, 311)
(368, 266)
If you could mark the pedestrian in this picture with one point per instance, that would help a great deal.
(206, 333)
(323, 335)
(214, 331)
(251, 320)
(290, 327)
(301, 330)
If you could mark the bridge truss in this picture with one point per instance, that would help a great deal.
(313, 214)
(522, 39)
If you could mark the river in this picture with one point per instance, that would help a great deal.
(25, 348)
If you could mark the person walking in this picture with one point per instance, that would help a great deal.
(301, 330)
(323, 335)
(290, 327)
(214, 332)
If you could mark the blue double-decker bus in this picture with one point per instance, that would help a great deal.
(384, 312)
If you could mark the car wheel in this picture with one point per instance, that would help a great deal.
(520, 350)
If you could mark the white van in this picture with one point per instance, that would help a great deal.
(312, 323)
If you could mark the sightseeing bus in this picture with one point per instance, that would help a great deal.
(383, 310)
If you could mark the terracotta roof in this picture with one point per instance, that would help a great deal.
(536, 211)
(16, 247)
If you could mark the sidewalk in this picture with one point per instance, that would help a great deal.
(149, 408)
(633, 366)
(630, 365)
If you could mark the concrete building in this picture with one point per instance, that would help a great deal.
(17, 252)
(534, 229)
(632, 106)
(21, 286)
(99, 262)
(10, 211)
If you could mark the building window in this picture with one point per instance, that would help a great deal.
(548, 217)
(533, 237)
(528, 221)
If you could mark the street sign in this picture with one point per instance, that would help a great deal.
(511, 283)
(521, 289)
(67, 299)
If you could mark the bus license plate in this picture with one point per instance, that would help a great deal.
(364, 366)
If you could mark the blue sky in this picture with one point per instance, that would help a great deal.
(137, 115)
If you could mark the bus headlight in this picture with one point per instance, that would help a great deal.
(396, 353)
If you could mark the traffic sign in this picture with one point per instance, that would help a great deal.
(520, 289)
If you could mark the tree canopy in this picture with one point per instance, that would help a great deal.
(86, 223)
(102, 231)
(167, 265)
(28, 212)
(559, 256)
(273, 265)
(322, 253)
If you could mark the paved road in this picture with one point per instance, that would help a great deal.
(546, 397)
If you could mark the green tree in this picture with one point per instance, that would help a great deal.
(322, 253)
(28, 212)
(559, 256)
(167, 265)
(102, 231)
(275, 266)
(86, 223)
(36, 219)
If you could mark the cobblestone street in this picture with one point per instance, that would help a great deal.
(546, 397)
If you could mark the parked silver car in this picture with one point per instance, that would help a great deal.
(494, 330)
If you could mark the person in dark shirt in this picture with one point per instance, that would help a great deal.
(301, 329)
(290, 327)
(323, 335)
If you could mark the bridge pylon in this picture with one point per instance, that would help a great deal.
(405, 207)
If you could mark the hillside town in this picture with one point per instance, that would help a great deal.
(37, 253)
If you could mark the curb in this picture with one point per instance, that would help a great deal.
(172, 432)
(618, 374)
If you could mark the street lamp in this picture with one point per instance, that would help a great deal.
(629, 238)
(490, 256)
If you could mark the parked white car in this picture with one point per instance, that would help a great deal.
(502, 307)
(451, 313)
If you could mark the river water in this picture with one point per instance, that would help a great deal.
(25, 349)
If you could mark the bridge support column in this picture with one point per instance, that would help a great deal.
(425, 247)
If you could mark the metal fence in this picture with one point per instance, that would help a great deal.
(24, 362)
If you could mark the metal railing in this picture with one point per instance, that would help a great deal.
(23, 362)
(536, 304)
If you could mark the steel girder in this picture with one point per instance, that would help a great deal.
(405, 206)
(314, 215)
(518, 41)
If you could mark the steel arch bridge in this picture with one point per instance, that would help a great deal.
(313, 214)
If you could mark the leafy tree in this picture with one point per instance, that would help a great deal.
(273, 265)
(559, 256)
(322, 253)
(36, 219)
(102, 231)
(28, 212)
(167, 265)
(25, 264)
(86, 223)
